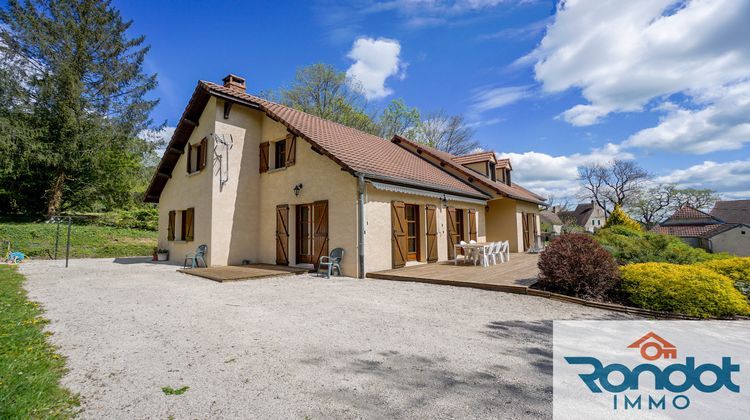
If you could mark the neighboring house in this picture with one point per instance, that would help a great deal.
(589, 216)
(551, 222)
(704, 230)
(259, 181)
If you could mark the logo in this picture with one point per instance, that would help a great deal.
(662, 348)
(648, 374)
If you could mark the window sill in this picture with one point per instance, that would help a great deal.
(193, 173)
(180, 242)
(283, 168)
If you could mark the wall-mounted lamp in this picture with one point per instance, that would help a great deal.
(444, 200)
(297, 189)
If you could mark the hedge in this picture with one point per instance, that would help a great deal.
(737, 269)
(688, 289)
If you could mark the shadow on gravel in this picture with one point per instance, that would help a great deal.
(411, 386)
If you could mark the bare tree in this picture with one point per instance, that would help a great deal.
(448, 133)
(561, 204)
(702, 199)
(612, 183)
(652, 205)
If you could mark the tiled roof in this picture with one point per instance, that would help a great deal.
(687, 231)
(504, 163)
(723, 228)
(735, 211)
(551, 218)
(687, 215)
(354, 150)
(514, 191)
(475, 158)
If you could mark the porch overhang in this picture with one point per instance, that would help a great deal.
(425, 193)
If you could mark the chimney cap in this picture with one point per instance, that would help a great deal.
(233, 81)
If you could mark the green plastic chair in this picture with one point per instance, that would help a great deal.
(195, 257)
(329, 263)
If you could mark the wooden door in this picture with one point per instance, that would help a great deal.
(320, 230)
(413, 246)
(398, 239)
(304, 233)
(525, 227)
(451, 230)
(431, 233)
(282, 234)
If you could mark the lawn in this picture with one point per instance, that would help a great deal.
(30, 370)
(86, 241)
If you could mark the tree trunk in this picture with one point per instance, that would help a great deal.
(55, 194)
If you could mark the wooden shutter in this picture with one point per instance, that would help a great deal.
(431, 223)
(291, 150)
(190, 158)
(472, 224)
(282, 234)
(320, 226)
(170, 227)
(189, 222)
(450, 225)
(203, 151)
(525, 226)
(263, 164)
(398, 240)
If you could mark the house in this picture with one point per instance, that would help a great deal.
(551, 223)
(259, 181)
(590, 216)
(704, 230)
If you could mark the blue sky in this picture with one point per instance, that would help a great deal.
(665, 82)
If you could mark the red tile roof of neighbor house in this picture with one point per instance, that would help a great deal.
(686, 231)
(735, 211)
(445, 159)
(354, 150)
(690, 222)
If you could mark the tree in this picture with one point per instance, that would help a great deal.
(654, 204)
(448, 133)
(618, 217)
(86, 87)
(399, 118)
(612, 183)
(321, 90)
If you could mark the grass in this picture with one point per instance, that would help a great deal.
(30, 370)
(168, 390)
(37, 240)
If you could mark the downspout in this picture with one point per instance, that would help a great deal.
(361, 224)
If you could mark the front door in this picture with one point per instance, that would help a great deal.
(411, 214)
(305, 233)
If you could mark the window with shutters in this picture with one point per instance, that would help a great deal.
(181, 225)
(279, 154)
(196, 156)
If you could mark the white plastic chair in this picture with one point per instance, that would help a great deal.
(485, 254)
(462, 245)
(504, 251)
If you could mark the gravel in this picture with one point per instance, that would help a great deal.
(295, 346)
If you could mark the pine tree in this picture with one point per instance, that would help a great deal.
(86, 86)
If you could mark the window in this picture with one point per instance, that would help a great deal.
(279, 154)
(460, 225)
(411, 214)
(196, 157)
(493, 174)
(186, 219)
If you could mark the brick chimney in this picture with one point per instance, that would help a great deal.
(235, 82)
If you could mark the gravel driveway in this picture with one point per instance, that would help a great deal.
(295, 347)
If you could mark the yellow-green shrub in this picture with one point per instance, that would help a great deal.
(686, 289)
(737, 269)
(618, 217)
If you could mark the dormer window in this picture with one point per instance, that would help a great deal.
(492, 171)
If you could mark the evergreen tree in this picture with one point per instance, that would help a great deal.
(84, 87)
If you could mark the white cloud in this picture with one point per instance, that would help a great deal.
(722, 125)
(375, 60)
(486, 99)
(631, 56)
(557, 175)
(731, 179)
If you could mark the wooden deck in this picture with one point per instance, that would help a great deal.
(243, 272)
(514, 276)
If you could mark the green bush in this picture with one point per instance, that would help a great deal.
(690, 290)
(632, 246)
(145, 218)
(737, 269)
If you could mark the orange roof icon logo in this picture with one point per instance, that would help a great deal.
(654, 347)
